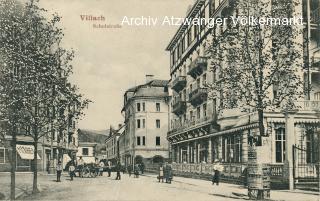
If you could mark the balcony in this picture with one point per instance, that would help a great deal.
(179, 83)
(308, 105)
(197, 96)
(315, 65)
(187, 125)
(315, 16)
(197, 67)
(179, 107)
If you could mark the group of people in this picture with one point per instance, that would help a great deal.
(165, 172)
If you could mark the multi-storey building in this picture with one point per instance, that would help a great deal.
(112, 143)
(146, 123)
(201, 133)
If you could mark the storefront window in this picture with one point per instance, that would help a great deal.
(232, 148)
(2, 155)
(312, 147)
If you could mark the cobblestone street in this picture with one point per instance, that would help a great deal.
(145, 187)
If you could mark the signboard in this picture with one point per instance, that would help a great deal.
(26, 152)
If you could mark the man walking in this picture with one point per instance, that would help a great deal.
(80, 166)
(71, 170)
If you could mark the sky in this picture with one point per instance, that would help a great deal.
(108, 61)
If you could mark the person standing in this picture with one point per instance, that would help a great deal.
(142, 167)
(118, 168)
(168, 170)
(72, 168)
(80, 166)
(59, 171)
(101, 166)
(136, 171)
(129, 168)
(109, 169)
(217, 168)
(161, 173)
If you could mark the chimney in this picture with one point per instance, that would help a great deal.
(149, 78)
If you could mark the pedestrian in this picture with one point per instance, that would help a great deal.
(101, 166)
(109, 168)
(161, 173)
(168, 173)
(217, 169)
(72, 168)
(80, 166)
(96, 166)
(118, 168)
(136, 171)
(59, 171)
(129, 168)
(142, 167)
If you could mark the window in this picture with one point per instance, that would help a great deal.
(143, 123)
(138, 141)
(2, 155)
(138, 123)
(158, 123)
(232, 148)
(204, 80)
(85, 151)
(198, 83)
(158, 141)
(158, 107)
(138, 107)
(143, 106)
(317, 96)
(204, 110)
(144, 140)
(312, 147)
(280, 145)
(198, 112)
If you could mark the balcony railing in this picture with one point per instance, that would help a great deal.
(179, 107)
(315, 16)
(198, 66)
(276, 170)
(198, 95)
(179, 83)
(190, 124)
(308, 105)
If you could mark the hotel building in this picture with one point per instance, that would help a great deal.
(200, 133)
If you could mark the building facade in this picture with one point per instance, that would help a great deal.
(146, 123)
(200, 133)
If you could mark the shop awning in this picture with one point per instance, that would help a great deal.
(88, 159)
(26, 151)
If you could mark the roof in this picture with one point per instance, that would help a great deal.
(193, 11)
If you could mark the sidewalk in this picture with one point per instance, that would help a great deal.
(240, 192)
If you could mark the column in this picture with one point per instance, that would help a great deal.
(178, 154)
(195, 152)
(210, 150)
(244, 155)
(189, 153)
(288, 165)
(181, 155)
(198, 153)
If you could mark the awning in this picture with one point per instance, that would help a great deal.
(26, 151)
(88, 159)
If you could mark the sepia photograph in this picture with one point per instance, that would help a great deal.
(160, 100)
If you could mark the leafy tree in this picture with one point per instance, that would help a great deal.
(259, 66)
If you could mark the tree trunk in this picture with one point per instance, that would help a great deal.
(260, 119)
(35, 167)
(13, 167)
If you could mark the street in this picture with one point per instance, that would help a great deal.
(143, 188)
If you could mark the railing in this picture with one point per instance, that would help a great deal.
(276, 170)
(197, 66)
(199, 93)
(179, 83)
(315, 16)
(189, 124)
(179, 107)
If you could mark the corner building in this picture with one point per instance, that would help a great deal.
(199, 133)
(146, 123)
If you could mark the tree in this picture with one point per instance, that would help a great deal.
(34, 82)
(259, 65)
